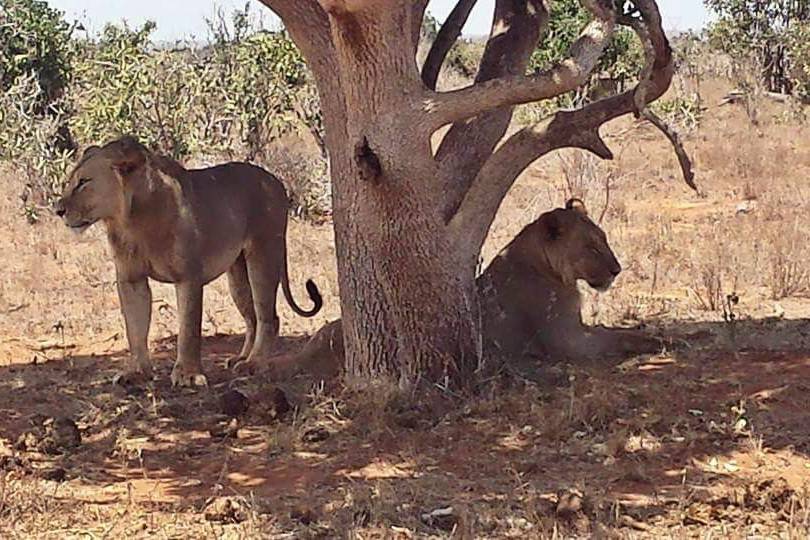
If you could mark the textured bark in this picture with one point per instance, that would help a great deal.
(407, 296)
(409, 225)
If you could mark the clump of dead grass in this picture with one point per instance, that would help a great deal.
(787, 261)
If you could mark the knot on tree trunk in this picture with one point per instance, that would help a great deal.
(367, 161)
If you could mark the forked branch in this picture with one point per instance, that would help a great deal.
(445, 39)
(516, 28)
(565, 76)
(566, 129)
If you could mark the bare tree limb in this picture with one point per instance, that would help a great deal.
(516, 28)
(446, 38)
(677, 145)
(576, 128)
(567, 75)
(643, 32)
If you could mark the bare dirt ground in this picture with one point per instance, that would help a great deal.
(710, 442)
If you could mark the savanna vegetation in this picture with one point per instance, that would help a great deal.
(706, 439)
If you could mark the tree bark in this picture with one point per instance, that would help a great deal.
(407, 295)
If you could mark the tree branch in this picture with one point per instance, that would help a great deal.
(576, 128)
(516, 28)
(447, 36)
(677, 145)
(567, 75)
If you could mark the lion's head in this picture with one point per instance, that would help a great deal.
(575, 247)
(101, 185)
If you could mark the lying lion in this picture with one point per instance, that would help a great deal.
(186, 227)
(529, 300)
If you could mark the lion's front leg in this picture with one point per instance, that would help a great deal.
(623, 341)
(136, 306)
(188, 367)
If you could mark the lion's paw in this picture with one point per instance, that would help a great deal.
(184, 376)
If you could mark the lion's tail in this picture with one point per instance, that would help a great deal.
(312, 291)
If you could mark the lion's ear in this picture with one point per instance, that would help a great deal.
(577, 205)
(131, 155)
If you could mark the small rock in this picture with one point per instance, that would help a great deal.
(65, 434)
(569, 502)
(304, 516)
(223, 430)
(234, 403)
(444, 519)
(226, 510)
(279, 404)
(745, 207)
(315, 435)
(50, 436)
(15, 463)
(56, 474)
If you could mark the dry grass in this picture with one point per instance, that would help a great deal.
(707, 441)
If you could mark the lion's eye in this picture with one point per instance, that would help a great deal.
(82, 183)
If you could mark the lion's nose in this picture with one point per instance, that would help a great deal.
(616, 270)
(59, 208)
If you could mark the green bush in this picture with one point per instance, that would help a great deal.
(772, 33)
(622, 59)
(114, 75)
(265, 78)
(26, 140)
(232, 99)
(34, 38)
(799, 55)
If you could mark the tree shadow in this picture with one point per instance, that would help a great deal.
(651, 429)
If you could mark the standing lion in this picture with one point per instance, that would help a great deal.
(186, 227)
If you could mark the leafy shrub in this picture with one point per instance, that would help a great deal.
(111, 81)
(773, 33)
(685, 113)
(232, 98)
(799, 51)
(34, 38)
(622, 59)
(26, 140)
(264, 75)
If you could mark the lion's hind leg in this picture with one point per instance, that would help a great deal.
(264, 265)
(239, 285)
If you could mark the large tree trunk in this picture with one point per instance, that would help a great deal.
(409, 225)
(407, 294)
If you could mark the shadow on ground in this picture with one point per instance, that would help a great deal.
(649, 436)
